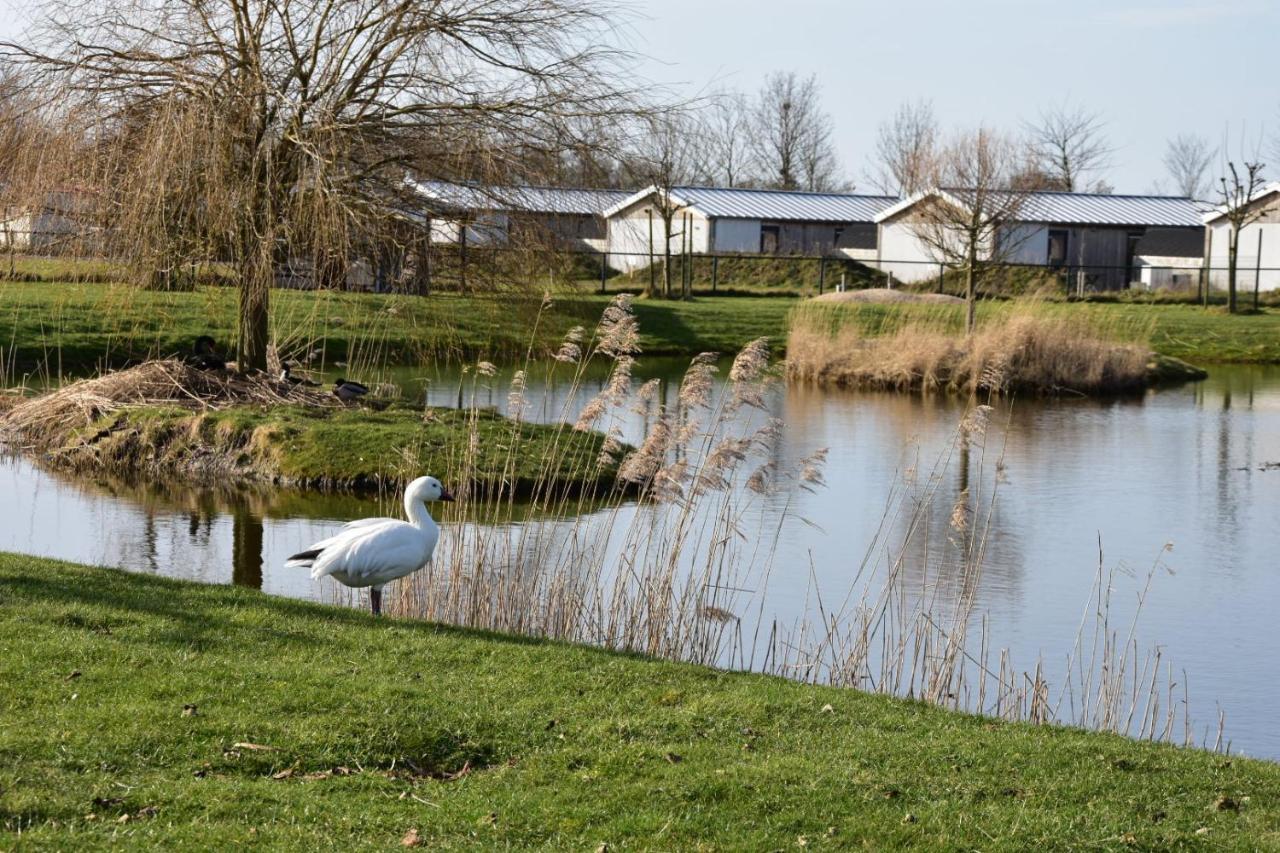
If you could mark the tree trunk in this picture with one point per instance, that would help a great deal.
(1233, 247)
(970, 294)
(255, 288)
(666, 255)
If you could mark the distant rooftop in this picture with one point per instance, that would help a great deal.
(556, 200)
(1066, 208)
(1100, 209)
(783, 204)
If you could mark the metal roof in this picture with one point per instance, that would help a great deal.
(768, 205)
(1215, 213)
(1097, 209)
(557, 200)
(785, 205)
(1064, 208)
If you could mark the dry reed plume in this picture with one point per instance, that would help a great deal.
(684, 572)
(1021, 350)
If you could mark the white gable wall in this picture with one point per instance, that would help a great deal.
(629, 247)
(903, 254)
(1247, 259)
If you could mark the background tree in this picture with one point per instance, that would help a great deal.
(1068, 145)
(1187, 159)
(726, 129)
(672, 152)
(1238, 189)
(966, 222)
(307, 113)
(905, 147)
(792, 135)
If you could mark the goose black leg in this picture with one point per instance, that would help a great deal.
(375, 601)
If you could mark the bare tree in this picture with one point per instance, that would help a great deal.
(792, 136)
(905, 148)
(1238, 189)
(969, 219)
(727, 132)
(672, 152)
(1187, 158)
(1068, 145)
(308, 113)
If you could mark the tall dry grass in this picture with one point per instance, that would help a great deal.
(685, 571)
(1022, 347)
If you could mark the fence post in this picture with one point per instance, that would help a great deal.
(604, 265)
(1257, 270)
(942, 275)
(715, 272)
(1208, 269)
(822, 274)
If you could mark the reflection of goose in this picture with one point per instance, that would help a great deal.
(286, 375)
(373, 552)
(205, 356)
(348, 391)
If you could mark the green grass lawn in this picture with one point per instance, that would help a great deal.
(70, 327)
(60, 327)
(139, 711)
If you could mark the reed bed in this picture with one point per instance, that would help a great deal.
(1025, 346)
(676, 574)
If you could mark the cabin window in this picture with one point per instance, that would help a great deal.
(769, 235)
(1057, 247)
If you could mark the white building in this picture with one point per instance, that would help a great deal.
(1258, 256)
(742, 221)
(1095, 239)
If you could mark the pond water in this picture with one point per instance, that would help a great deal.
(1191, 467)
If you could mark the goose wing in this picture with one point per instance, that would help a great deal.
(369, 554)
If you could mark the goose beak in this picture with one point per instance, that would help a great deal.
(446, 495)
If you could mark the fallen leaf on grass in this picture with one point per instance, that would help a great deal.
(1226, 804)
(491, 819)
(75, 673)
(673, 758)
(190, 710)
(827, 709)
(254, 747)
(411, 839)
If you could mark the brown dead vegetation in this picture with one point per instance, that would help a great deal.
(1023, 352)
(47, 421)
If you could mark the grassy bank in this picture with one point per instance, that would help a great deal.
(66, 327)
(165, 420)
(1018, 347)
(144, 711)
(1186, 332)
(344, 449)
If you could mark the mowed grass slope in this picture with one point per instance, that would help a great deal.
(315, 727)
(59, 326)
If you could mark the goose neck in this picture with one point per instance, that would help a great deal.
(417, 513)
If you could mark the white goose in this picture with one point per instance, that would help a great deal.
(373, 552)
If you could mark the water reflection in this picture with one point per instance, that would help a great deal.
(1184, 465)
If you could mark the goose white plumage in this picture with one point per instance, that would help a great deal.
(372, 552)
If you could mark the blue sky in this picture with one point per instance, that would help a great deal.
(1153, 69)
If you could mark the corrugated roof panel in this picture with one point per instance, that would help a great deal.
(783, 204)
(533, 199)
(1095, 209)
